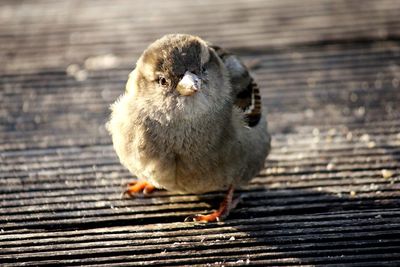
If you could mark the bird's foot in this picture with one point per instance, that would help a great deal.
(225, 207)
(137, 187)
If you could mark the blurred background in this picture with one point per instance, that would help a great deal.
(63, 62)
(329, 73)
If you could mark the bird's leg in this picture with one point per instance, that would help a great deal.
(139, 187)
(227, 204)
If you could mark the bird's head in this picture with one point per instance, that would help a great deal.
(180, 70)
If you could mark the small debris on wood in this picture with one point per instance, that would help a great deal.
(387, 173)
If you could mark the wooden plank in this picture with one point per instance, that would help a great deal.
(328, 195)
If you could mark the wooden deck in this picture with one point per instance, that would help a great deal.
(329, 195)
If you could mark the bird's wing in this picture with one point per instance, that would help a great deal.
(245, 89)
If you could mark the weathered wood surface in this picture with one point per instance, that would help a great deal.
(329, 194)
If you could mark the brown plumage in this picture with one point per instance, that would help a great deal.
(248, 96)
(190, 121)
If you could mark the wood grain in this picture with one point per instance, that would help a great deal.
(329, 194)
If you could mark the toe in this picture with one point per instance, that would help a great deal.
(137, 187)
(212, 217)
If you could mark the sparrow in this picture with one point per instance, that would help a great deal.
(190, 122)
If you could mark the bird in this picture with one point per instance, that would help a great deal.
(190, 121)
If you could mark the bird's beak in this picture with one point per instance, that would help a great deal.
(189, 84)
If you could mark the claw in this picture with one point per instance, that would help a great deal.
(212, 217)
(190, 218)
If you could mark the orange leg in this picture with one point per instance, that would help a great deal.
(139, 187)
(225, 207)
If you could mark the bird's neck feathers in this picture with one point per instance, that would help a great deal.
(181, 111)
(181, 129)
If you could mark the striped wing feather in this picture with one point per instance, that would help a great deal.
(246, 90)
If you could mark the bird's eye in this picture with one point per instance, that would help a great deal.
(204, 70)
(162, 81)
